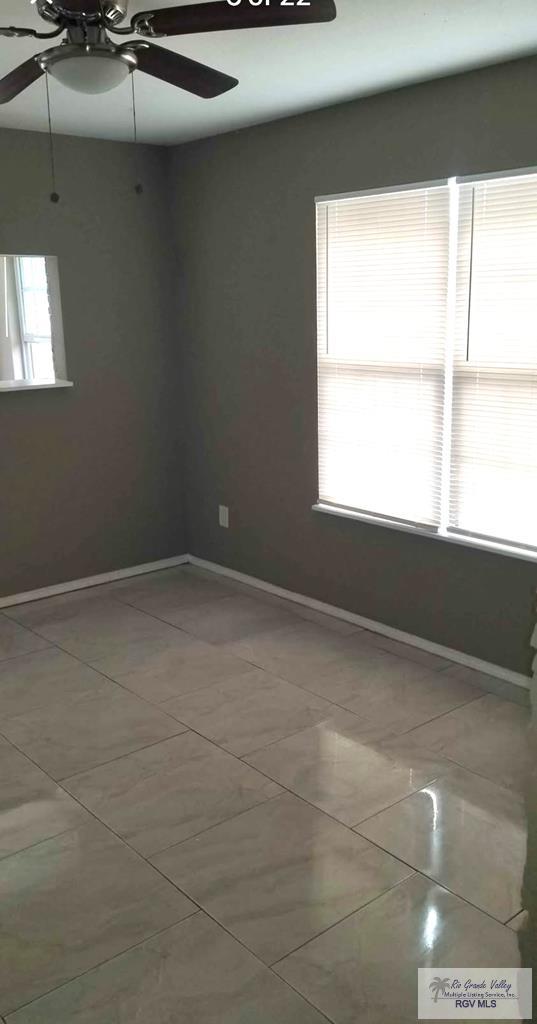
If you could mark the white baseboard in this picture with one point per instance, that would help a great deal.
(92, 581)
(505, 674)
(497, 671)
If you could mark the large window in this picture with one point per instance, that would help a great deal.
(427, 357)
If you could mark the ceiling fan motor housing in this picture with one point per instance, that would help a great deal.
(83, 10)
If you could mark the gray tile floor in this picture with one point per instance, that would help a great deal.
(219, 806)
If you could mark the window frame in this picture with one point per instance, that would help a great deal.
(443, 532)
(27, 339)
(22, 342)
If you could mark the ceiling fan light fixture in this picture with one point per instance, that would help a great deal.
(89, 69)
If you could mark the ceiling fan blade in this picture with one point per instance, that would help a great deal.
(12, 32)
(219, 16)
(19, 79)
(181, 71)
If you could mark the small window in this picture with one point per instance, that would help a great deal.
(31, 332)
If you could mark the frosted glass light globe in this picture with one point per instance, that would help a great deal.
(90, 70)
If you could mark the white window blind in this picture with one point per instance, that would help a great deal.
(427, 357)
(383, 274)
(494, 435)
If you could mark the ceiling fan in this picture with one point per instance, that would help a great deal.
(89, 61)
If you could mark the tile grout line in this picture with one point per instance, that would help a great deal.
(438, 778)
(166, 622)
(412, 871)
(518, 913)
(148, 746)
(26, 654)
(415, 872)
(106, 825)
(112, 760)
(441, 885)
(453, 766)
(435, 670)
(180, 629)
(342, 707)
(186, 728)
(240, 759)
(473, 771)
(339, 707)
(254, 595)
(54, 645)
(159, 705)
(169, 881)
(32, 629)
(288, 792)
(132, 753)
(102, 963)
(125, 689)
(481, 693)
(356, 828)
(209, 686)
(285, 791)
(358, 910)
(353, 831)
(353, 828)
(305, 999)
(101, 764)
(39, 842)
(94, 767)
(227, 930)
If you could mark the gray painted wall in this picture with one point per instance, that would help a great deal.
(90, 478)
(244, 220)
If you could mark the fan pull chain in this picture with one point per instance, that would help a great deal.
(54, 195)
(138, 188)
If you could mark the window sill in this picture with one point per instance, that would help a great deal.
(466, 542)
(26, 385)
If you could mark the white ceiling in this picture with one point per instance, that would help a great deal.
(372, 46)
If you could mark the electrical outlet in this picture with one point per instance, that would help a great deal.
(223, 516)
